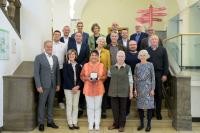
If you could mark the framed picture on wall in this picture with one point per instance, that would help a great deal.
(4, 44)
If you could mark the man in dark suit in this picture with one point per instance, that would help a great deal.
(47, 81)
(159, 58)
(83, 57)
(138, 36)
(81, 48)
(85, 35)
(124, 40)
(66, 38)
(145, 43)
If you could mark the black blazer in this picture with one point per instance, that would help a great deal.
(83, 56)
(159, 58)
(68, 76)
(84, 35)
(120, 42)
(142, 35)
(71, 40)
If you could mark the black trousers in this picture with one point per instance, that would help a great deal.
(61, 94)
(158, 93)
(128, 106)
(118, 105)
(149, 116)
(106, 98)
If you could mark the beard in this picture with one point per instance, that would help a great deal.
(132, 50)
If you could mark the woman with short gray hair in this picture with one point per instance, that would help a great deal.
(121, 87)
(144, 83)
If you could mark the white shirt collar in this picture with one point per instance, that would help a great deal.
(124, 39)
(78, 43)
(66, 37)
(47, 54)
(71, 63)
(56, 42)
(154, 48)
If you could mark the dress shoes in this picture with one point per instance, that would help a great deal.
(140, 127)
(71, 127)
(148, 129)
(112, 127)
(121, 129)
(41, 127)
(159, 117)
(76, 127)
(52, 125)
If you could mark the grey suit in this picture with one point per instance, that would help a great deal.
(46, 78)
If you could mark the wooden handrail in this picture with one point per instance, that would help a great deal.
(182, 34)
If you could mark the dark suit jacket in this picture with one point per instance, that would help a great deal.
(159, 58)
(85, 37)
(68, 76)
(43, 75)
(83, 56)
(145, 43)
(142, 35)
(120, 42)
(71, 40)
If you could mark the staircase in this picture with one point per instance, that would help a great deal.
(132, 119)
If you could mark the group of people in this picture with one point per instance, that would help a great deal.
(97, 72)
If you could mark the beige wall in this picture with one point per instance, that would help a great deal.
(122, 11)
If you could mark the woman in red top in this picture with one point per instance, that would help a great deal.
(93, 75)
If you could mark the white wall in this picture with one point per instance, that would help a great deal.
(195, 91)
(61, 16)
(36, 26)
(195, 106)
(7, 67)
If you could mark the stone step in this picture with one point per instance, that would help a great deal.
(106, 122)
(132, 119)
(60, 113)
